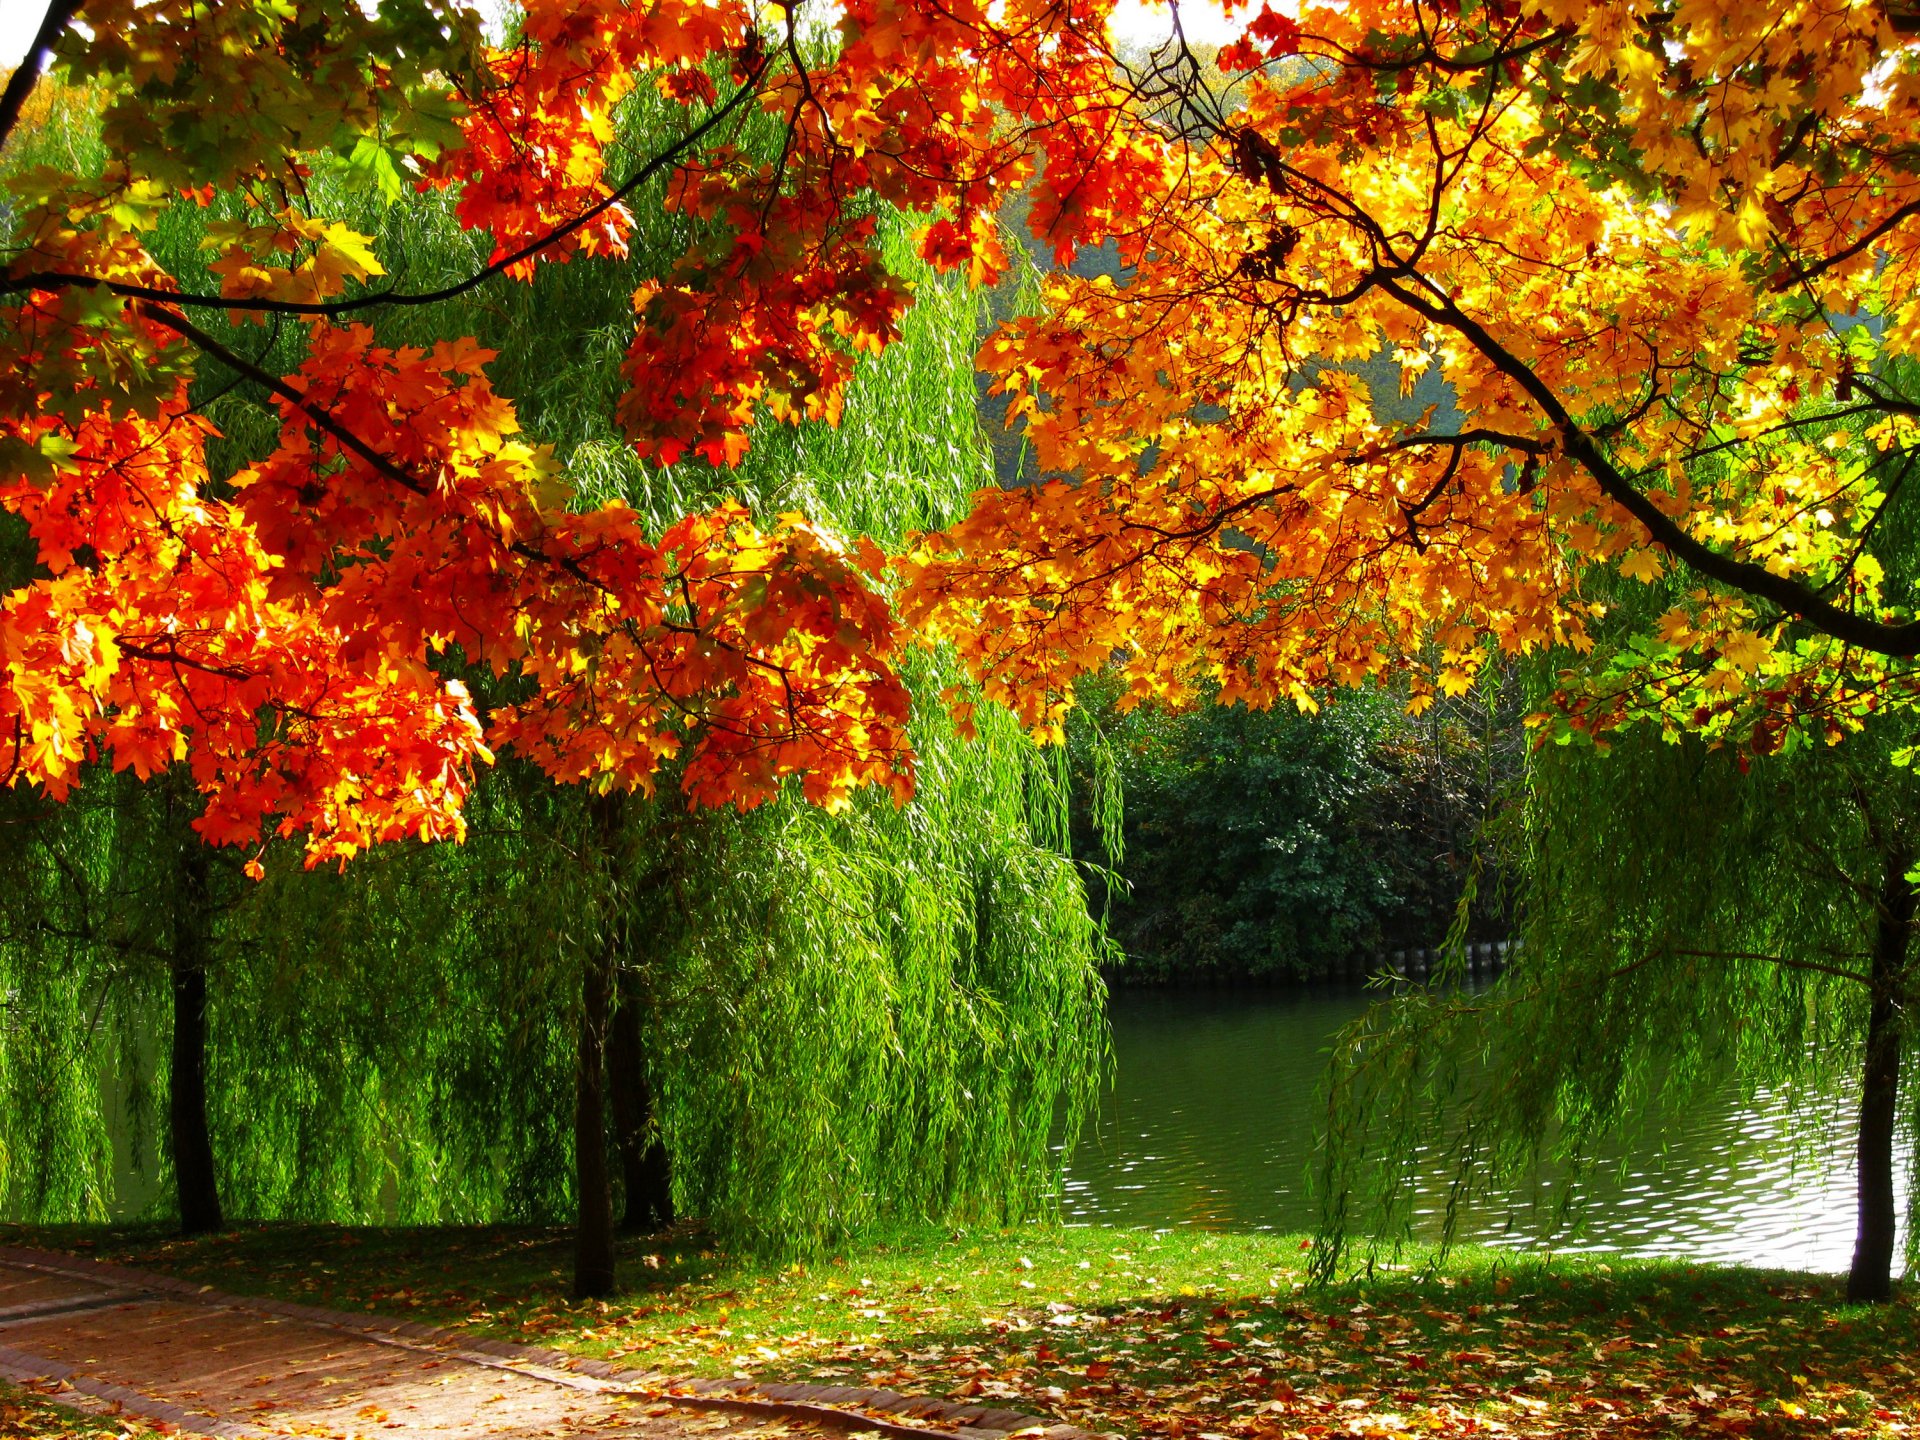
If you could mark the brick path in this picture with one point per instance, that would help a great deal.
(238, 1368)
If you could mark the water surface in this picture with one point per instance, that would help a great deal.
(1211, 1123)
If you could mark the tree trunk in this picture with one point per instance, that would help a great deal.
(647, 1180)
(593, 1266)
(593, 1258)
(1871, 1277)
(193, 1171)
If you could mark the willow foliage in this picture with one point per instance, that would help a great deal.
(883, 1014)
(85, 921)
(1687, 918)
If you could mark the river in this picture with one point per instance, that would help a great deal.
(1211, 1124)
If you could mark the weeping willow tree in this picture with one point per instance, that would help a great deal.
(1689, 918)
(827, 1020)
(107, 914)
(65, 975)
(1691, 915)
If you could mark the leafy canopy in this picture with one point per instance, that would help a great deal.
(1654, 266)
(1658, 258)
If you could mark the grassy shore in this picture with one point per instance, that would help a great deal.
(1177, 1333)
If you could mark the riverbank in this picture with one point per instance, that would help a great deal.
(1178, 1334)
(1479, 963)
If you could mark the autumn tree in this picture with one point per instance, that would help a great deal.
(402, 1039)
(1632, 247)
(1651, 256)
(284, 630)
(395, 516)
(1658, 265)
(1658, 260)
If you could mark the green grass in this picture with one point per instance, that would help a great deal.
(1153, 1333)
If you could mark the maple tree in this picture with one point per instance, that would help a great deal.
(279, 630)
(1659, 262)
(400, 516)
(954, 928)
(1653, 268)
(398, 530)
(1631, 249)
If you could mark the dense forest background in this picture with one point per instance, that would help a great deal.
(1281, 846)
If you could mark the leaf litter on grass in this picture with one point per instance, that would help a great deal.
(1182, 1335)
(31, 1412)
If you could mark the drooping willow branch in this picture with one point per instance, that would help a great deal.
(1785, 962)
(1653, 956)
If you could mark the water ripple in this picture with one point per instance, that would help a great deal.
(1211, 1124)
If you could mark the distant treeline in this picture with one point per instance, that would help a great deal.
(1274, 845)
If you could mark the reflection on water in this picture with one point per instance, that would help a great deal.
(1211, 1124)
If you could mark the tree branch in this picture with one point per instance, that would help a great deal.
(1526, 444)
(1793, 275)
(55, 279)
(1899, 640)
(185, 328)
(1786, 964)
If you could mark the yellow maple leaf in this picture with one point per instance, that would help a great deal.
(1642, 565)
(1746, 649)
(1676, 627)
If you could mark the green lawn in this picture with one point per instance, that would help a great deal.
(1151, 1333)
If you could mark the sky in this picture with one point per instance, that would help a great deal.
(1134, 20)
(18, 20)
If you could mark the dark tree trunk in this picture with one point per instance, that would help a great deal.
(593, 1267)
(646, 1179)
(593, 1259)
(1871, 1277)
(193, 1172)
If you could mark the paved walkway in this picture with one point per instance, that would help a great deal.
(240, 1368)
(231, 1373)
